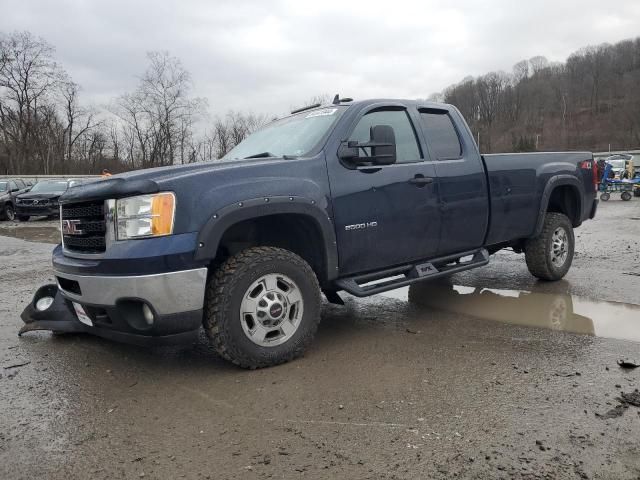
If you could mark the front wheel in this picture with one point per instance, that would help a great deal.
(262, 307)
(626, 196)
(550, 254)
(9, 213)
(605, 196)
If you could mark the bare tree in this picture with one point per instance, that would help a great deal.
(79, 120)
(28, 77)
(538, 64)
(521, 71)
(159, 114)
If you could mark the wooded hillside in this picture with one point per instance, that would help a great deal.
(590, 102)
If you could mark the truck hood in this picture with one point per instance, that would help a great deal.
(39, 196)
(202, 189)
(176, 172)
(152, 180)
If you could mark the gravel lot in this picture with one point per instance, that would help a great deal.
(460, 386)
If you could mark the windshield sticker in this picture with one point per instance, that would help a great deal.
(322, 113)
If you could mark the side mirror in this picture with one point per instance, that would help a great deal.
(383, 144)
(379, 150)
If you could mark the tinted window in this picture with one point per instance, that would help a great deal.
(406, 144)
(13, 186)
(20, 183)
(441, 135)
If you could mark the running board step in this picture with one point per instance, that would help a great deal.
(392, 278)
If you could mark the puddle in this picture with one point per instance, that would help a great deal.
(562, 312)
(33, 234)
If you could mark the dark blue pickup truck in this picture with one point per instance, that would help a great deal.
(360, 197)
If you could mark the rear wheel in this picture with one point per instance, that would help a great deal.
(605, 197)
(626, 196)
(550, 254)
(262, 307)
(9, 213)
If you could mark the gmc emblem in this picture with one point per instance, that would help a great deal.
(70, 227)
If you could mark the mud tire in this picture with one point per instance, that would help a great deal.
(538, 251)
(225, 290)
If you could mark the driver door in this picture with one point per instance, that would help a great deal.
(385, 215)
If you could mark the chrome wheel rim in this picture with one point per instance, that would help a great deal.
(271, 310)
(559, 247)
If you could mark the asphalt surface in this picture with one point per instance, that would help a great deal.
(484, 379)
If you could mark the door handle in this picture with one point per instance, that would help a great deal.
(421, 181)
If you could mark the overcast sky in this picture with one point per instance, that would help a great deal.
(265, 56)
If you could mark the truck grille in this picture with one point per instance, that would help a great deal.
(84, 227)
(29, 201)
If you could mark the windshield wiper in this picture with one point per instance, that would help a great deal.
(270, 155)
(261, 155)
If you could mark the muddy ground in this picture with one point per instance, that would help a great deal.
(461, 385)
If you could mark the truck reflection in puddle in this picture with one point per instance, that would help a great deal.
(555, 311)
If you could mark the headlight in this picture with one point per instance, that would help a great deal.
(145, 216)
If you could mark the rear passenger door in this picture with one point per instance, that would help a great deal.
(462, 188)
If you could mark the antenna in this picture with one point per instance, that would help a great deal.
(336, 99)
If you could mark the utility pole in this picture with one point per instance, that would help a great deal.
(537, 140)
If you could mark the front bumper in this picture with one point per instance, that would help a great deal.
(114, 306)
(166, 293)
(35, 211)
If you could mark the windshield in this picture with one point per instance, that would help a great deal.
(50, 187)
(4, 186)
(293, 136)
(617, 163)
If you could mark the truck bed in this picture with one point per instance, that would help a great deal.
(517, 183)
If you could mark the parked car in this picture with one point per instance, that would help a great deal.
(361, 197)
(10, 188)
(41, 200)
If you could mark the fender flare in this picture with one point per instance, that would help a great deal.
(554, 182)
(211, 233)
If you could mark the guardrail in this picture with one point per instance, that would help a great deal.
(38, 178)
